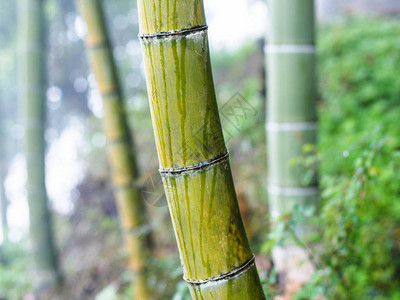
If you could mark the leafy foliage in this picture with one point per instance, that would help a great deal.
(359, 148)
(15, 280)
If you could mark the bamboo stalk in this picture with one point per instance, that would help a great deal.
(215, 254)
(33, 99)
(291, 103)
(121, 151)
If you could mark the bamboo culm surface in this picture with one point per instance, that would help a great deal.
(33, 98)
(292, 119)
(215, 254)
(121, 153)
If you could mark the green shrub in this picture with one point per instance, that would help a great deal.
(360, 166)
(15, 278)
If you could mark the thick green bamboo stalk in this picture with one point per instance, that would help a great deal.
(120, 145)
(214, 250)
(33, 99)
(291, 104)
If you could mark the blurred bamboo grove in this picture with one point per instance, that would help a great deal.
(77, 143)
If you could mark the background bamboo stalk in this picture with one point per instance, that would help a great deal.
(291, 125)
(33, 99)
(291, 104)
(120, 146)
(192, 153)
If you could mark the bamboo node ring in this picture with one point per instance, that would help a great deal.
(230, 274)
(181, 32)
(203, 165)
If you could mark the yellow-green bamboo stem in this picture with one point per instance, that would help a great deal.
(120, 145)
(215, 253)
(33, 99)
(291, 103)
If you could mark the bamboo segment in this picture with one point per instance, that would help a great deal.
(291, 22)
(288, 145)
(291, 103)
(196, 136)
(165, 16)
(196, 201)
(124, 167)
(215, 253)
(32, 96)
(292, 81)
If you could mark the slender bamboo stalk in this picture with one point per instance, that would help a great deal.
(33, 99)
(292, 120)
(214, 250)
(120, 145)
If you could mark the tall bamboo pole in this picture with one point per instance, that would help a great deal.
(120, 145)
(33, 99)
(214, 250)
(291, 109)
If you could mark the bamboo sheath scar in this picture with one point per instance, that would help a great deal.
(216, 257)
(291, 102)
(121, 155)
